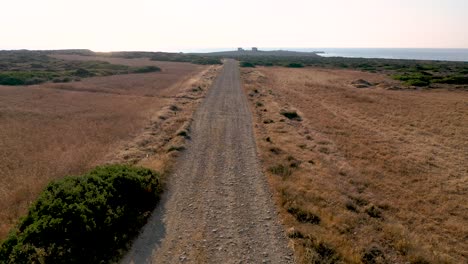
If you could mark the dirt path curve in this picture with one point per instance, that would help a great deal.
(218, 208)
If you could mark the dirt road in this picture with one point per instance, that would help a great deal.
(218, 207)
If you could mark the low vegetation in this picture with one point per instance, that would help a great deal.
(295, 65)
(411, 72)
(35, 67)
(146, 69)
(425, 78)
(181, 57)
(281, 170)
(247, 64)
(85, 219)
(52, 130)
(355, 190)
(161, 56)
(304, 216)
(315, 251)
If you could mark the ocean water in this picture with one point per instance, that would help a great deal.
(384, 53)
(410, 54)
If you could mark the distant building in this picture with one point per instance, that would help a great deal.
(254, 49)
(240, 49)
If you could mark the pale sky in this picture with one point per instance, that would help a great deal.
(173, 25)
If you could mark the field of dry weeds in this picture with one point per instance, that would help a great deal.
(51, 130)
(363, 175)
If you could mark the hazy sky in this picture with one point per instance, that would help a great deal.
(105, 25)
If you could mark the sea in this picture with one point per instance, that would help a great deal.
(383, 53)
(410, 54)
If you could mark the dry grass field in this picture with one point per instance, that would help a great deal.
(363, 175)
(51, 130)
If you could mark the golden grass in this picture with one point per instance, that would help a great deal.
(384, 170)
(51, 130)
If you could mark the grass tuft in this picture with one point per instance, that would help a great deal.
(304, 216)
(281, 170)
(319, 252)
(374, 212)
(373, 255)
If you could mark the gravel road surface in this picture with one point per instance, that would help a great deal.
(218, 207)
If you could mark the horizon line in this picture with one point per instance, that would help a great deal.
(228, 48)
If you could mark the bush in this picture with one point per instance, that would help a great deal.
(295, 65)
(454, 80)
(247, 64)
(83, 73)
(61, 80)
(416, 82)
(5, 79)
(181, 57)
(85, 219)
(205, 60)
(24, 78)
(414, 79)
(147, 69)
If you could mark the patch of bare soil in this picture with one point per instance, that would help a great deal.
(51, 130)
(363, 175)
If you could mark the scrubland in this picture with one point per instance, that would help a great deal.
(412, 73)
(363, 175)
(51, 130)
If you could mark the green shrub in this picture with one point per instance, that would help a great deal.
(295, 65)
(147, 69)
(5, 79)
(24, 77)
(205, 60)
(453, 80)
(417, 82)
(247, 64)
(83, 73)
(414, 79)
(182, 57)
(84, 219)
